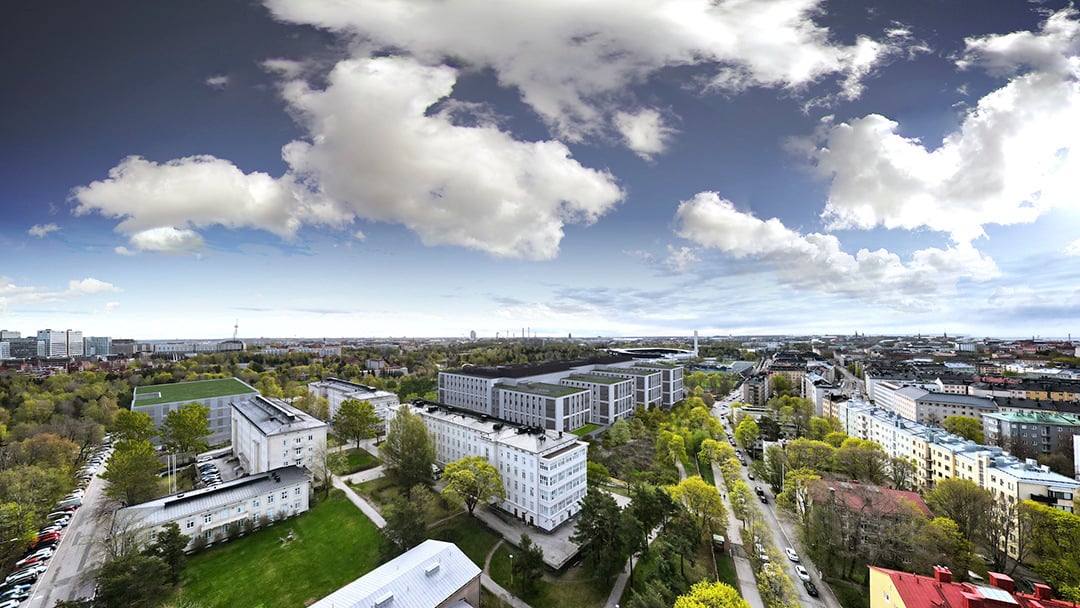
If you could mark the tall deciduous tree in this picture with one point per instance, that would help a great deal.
(747, 433)
(962, 501)
(356, 420)
(408, 452)
(134, 426)
(169, 544)
(186, 428)
(132, 472)
(706, 594)
(406, 527)
(470, 481)
(702, 501)
(967, 427)
(529, 564)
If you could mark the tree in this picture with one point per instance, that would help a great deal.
(820, 427)
(134, 426)
(406, 527)
(133, 580)
(670, 447)
(596, 473)
(470, 481)
(528, 566)
(596, 532)
(747, 433)
(812, 454)
(962, 501)
(781, 385)
(186, 428)
(356, 420)
(715, 451)
(169, 544)
(1056, 537)
(705, 594)
(967, 427)
(408, 452)
(702, 501)
(618, 434)
(862, 460)
(324, 462)
(132, 472)
(835, 438)
(775, 587)
(903, 473)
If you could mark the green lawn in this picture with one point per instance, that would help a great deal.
(706, 471)
(191, 391)
(563, 591)
(469, 534)
(588, 428)
(382, 491)
(356, 459)
(334, 544)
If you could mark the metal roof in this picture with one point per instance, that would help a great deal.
(422, 577)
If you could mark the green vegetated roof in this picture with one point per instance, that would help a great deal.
(542, 388)
(190, 391)
(596, 379)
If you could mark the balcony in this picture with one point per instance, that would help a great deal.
(1044, 499)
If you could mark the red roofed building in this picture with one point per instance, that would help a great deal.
(895, 589)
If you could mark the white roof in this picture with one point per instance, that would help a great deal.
(422, 577)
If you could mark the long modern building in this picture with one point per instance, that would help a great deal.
(52, 343)
(269, 434)
(478, 388)
(159, 399)
(335, 391)
(612, 397)
(543, 471)
(555, 407)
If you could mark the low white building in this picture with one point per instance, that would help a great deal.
(268, 434)
(335, 391)
(215, 512)
(543, 471)
(433, 574)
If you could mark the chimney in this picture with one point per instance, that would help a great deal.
(1002, 581)
(971, 600)
(1043, 592)
(942, 574)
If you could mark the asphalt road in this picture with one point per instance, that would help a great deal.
(783, 532)
(72, 568)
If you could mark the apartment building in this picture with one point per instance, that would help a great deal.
(648, 383)
(1035, 432)
(896, 589)
(543, 471)
(335, 391)
(213, 513)
(554, 407)
(270, 434)
(921, 405)
(672, 389)
(159, 399)
(612, 397)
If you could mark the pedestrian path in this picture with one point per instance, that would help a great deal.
(744, 572)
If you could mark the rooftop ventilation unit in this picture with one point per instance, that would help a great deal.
(384, 599)
(431, 569)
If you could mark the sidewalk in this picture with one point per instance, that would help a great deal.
(743, 570)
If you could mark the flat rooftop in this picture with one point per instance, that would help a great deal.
(596, 379)
(542, 388)
(189, 391)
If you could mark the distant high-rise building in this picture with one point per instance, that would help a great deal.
(6, 335)
(21, 348)
(472, 335)
(100, 346)
(56, 344)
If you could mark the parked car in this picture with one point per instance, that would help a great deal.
(750, 476)
(28, 575)
(34, 558)
(759, 491)
(58, 515)
(70, 502)
(47, 536)
(810, 588)
(791, 554)
(803, 574)
(764, 500)
(12, 603)
(50, 528)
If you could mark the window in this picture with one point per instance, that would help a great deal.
(255, 504)
(296, 490)
(299, 451)
(270, 500)
(310, 437)
(284, 442)
(285, 495)
(299, 439)
(208, 518)
(190, 524)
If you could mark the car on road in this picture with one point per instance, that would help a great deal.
(764, 500)
(12, 603)
(750, 476)
(811, 590)
(791, 554)
(18, 592)
(803, 574)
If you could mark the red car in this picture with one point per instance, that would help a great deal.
(45, 537)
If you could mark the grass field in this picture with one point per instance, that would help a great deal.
(563, 591)
(334, 544)
(588, 428)
(706, 471)
(356, 459)
(382, 491)
(191, 391)
(469, 534)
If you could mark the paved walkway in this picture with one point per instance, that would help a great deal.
(360, 502)
(744, 572)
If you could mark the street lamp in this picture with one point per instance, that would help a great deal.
(511, 570)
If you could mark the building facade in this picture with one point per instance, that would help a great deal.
(270, 434)
(159, 399)
(543, 471)
(214, 513)
(1034, 432)
(54, 344)
(335, 391)
(612, 397)
(648, 383)
(550, 406)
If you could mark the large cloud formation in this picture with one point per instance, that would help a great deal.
(570, 60)
(390, 161)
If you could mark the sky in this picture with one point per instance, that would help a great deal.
(391, 168)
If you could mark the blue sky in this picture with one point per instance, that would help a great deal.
(313, 168)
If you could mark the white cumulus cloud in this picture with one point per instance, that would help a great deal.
(12, 295)
(1073, 248)
(816, 261)
(167, 239)
(219, 81)
(569, 58)
(644, 132)
(40, 230)
(1012, 159)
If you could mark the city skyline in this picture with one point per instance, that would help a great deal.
(374, 169)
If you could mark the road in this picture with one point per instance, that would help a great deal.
(73, 567)
(783, 531)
